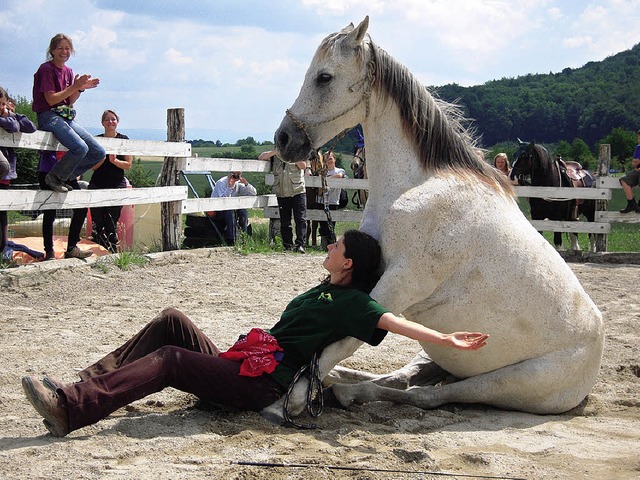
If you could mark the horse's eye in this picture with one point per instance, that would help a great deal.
(324, 78)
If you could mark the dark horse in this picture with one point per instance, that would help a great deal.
(534, 161)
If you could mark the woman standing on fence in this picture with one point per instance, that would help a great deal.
(55, 91)
(172, 352)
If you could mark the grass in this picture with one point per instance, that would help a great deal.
(123, 260)
(259, 241)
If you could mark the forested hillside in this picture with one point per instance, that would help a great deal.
(587, 102)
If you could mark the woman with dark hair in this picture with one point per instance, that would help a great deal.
(171, 351)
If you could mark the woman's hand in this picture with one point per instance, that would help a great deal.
(82, 82)
(466, 340)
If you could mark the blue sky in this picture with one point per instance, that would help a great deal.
(236, 65)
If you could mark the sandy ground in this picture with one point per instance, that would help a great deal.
(60, 316)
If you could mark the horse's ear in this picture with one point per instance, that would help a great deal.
(356, 35)
(347, 29)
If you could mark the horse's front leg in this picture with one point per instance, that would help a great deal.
(420, 371)
(330, 357)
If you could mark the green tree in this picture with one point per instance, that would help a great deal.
(623, 143)
(138, 176)
(248, 149)
(27, 159)
(246, 141)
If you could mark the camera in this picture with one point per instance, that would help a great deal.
(235, 176)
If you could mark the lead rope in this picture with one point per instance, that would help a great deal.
(315, 402)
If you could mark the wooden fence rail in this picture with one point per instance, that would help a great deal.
(174, 198)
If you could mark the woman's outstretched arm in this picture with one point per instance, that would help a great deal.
(460, 340)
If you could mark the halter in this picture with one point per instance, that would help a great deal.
(365, 83)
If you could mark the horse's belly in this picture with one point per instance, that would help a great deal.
(518, 331)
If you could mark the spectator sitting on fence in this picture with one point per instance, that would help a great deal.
(171, 351)
(55, 91)
(631, 180)
(233, 185)
(332, 198)
(11, 122)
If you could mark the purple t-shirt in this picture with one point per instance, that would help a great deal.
(50, 78)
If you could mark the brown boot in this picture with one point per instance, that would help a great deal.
(48, 404)
(75, 252)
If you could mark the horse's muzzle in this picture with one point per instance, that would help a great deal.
(292, 143)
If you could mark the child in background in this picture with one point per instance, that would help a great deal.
(11, 122)
(55, 90)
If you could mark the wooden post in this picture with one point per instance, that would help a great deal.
(170, 218)
(604, 163)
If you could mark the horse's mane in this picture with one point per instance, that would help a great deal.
(437, 127)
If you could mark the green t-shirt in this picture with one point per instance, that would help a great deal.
(320, 317)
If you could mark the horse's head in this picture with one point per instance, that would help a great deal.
(531, 159)
(522, 161)
(333, 97)
(358, 164)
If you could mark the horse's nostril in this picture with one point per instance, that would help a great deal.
(282, 139)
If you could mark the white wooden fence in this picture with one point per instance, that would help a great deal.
(178, 156)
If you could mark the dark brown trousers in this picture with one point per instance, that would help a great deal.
(170, 351)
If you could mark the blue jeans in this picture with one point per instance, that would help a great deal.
(233, 219)
(84, 151)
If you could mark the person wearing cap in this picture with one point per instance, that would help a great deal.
(233, 185)
(631, 180)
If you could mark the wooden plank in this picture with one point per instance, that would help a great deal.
(563, 193)
(314, 181)
(319, 215)
(192, 205)
(41, 140)
(617, 217)
(575, 227)
(202, 164)
(608, 182)
(48, 200)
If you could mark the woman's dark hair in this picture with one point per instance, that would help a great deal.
(366, 254)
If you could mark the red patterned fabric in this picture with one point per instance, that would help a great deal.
(257, 351)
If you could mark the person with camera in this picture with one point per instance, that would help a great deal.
(233, 185)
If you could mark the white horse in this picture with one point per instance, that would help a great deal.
(459, 254)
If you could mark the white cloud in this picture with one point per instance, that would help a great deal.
(175, 57)
(555, 14)
(578, 42)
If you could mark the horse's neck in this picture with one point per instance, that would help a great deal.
(548, 177)
(392, 159)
